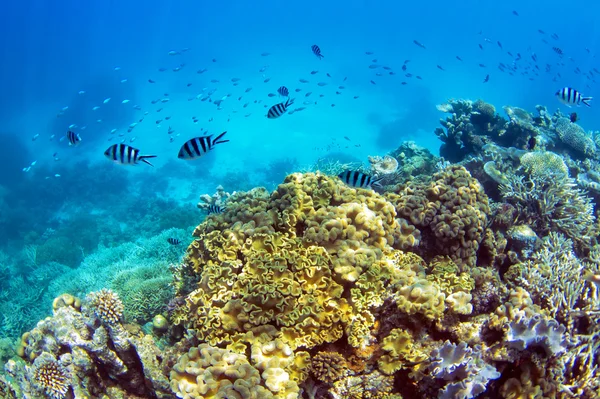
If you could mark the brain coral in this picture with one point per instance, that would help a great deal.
(574, 136)
(451, 213)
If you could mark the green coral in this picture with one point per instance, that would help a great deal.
(401, 351)
(145, 291)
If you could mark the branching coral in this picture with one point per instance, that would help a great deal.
(328, 366)
(551, 202)
(51, 378)
(107, 305)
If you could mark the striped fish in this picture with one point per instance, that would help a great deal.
(198, 146)
(173, 241)
(279, 109)
(569, 96)
(316, 51)
(126, 155)
(283, 91)
(73, 138)
(354, 178)
(217, 209)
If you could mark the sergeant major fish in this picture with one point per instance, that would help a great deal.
(357, 179)
(173, 241)
(126, 155)
(316, 51)
(73, 138)
(199, 146)
(216, 209)
(570, 96)
(279, 109)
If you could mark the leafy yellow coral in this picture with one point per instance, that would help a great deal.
(401, 351)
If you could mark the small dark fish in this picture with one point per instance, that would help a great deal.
(328, 75)
(357, 179)
(516, 14)
(574, 118)
(297, 90)
(404, 67)
(403, 83)
(321, 84)
(151, 81)
(199, 146)
(409, 75)
(480, 46)
(267, 80)
(534, 57)
(303, 80)
(248, 90)
(162, 69)
(458, 58)
(554, 36)
(271, 94)
(316, 51)
(373, 83)
(216, 209)
(557, 50)
(126, 155)
(201, 71)
(419, 44)
(73, 138)
(173, 241)
(499, 44)
(369, 53)
(279, 109)
(440, 68)
(374, 66)
(541, 31)
(346, 137)
(487, 78)
(265, 54)
(314, 72)
(482, 66)
(283, 91)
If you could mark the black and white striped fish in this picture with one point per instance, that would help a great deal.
(126, 155)
(569, 96)
(316, 51)
(354, 178)
(279, 109)
(73, 138)
(215, 209)
(283, 91)
(173, 241)
(198, 146)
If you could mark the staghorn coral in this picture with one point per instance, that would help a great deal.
(107, 305)
(574, 136)
(451, 213)
(551, 202)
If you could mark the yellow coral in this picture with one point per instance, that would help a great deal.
(402, 351)
(421, 297)
(460, 302)
(52, 379)
(107, 305)
(329, 366)
(206, 372)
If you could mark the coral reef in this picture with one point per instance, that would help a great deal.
(83, 353)
(450, 212)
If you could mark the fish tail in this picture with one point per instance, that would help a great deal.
(218, 140)
(144, 158)
(586, 101)
(289, 102)
(377, 181)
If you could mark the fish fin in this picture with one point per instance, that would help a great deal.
(586, 101)
(144, 159)
(218, 140)
(289, 102)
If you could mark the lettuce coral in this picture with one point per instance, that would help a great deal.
(451, 213)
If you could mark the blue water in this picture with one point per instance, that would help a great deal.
(51, 52)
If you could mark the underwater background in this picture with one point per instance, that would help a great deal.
(457, 259)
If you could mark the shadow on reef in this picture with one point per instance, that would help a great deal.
(477, 278)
